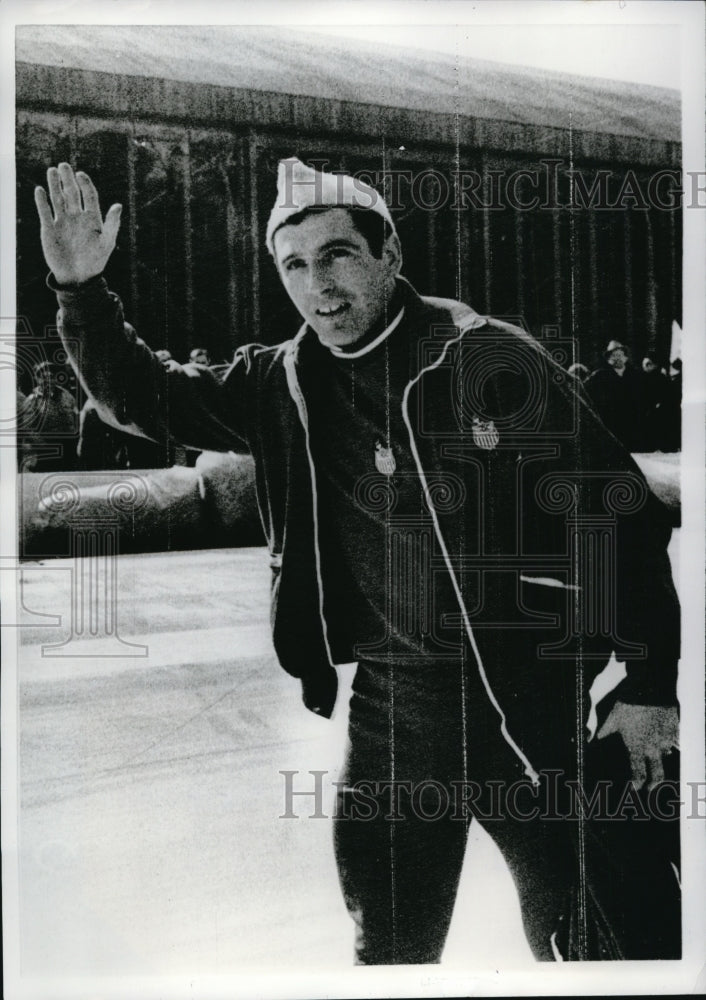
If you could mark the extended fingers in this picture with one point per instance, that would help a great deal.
(638, 767)
(63, 190)
(70, 193)
(69, 187)
(669, 731)
(56, 192)
(112, 224)
(656, 769)
(88, 192)
(46, 216)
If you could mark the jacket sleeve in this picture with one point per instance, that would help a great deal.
(195, 406)
(632, 572)
(640, 603)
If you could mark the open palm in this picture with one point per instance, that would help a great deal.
(76, 241)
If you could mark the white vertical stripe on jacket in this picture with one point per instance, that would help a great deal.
(300, 402)
(529, 770)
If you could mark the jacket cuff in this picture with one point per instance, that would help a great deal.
(79, 298)
(82, 286)
(319, 692)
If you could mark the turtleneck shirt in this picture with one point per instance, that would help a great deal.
(387, 593)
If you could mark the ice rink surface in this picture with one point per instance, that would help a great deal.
(150, 833)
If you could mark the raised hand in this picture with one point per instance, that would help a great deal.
(76, 241)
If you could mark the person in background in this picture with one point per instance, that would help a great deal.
(200, 356)
(616, 390)
(50, 418)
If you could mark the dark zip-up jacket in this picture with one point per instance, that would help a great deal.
(550, 504)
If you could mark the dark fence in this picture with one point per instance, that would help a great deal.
(541, 225)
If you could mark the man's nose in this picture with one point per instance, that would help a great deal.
(320, 279)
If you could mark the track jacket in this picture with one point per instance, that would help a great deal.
(551, 505)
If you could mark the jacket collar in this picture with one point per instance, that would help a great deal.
(425, 316)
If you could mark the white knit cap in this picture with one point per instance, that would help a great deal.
(300, 187)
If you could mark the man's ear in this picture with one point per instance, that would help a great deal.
(392, 253)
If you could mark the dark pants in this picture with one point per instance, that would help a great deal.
(426, 755)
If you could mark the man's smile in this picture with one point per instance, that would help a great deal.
(334, 309)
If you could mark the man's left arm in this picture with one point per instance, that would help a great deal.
(646, 612)
(644, 609)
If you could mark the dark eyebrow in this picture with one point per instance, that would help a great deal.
(339, 241)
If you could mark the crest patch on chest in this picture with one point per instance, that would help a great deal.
(485, 434)
(384, 459)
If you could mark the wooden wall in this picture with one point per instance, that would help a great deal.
(194, 166)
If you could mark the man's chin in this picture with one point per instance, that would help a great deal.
(331, 337)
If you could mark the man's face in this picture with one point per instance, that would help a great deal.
(617, 358)
(331, 276)
(648, 366)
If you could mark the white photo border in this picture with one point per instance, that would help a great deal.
(307, 982)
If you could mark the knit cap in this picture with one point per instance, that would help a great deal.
(300, 187)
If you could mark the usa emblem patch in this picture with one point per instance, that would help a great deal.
(485, 434)
(384, 459)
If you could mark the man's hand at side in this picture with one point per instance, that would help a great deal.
(647, 731)
(76, 241)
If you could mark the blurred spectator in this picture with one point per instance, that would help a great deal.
(50, 422)
(200, 356)
(163, 355)
(579, 372)
(617, 392)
